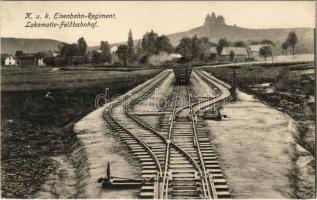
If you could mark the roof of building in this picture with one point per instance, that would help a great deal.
(238, 51)
(176, 55)
(26, 56)
(4, 55)
(8, 56)
(256, 48)
(213, 50)
(114, 48)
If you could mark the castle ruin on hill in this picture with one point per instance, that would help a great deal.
(213, 20)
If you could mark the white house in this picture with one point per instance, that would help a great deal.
(11, 60)
(213, 50)
(114, 49)
(255, 49)
(40, 62)
(175, 55)
(55, 54)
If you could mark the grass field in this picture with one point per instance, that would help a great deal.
(34, 128)
(23, 79)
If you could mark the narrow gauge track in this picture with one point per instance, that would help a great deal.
(222, 94)
(221, 97)
(121, 123)
(180, 164)
(189, 135)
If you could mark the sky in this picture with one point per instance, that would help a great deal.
(163, 17)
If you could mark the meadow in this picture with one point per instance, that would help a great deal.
(34, 127)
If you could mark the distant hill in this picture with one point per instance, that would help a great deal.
(11, 45)
(215, 28)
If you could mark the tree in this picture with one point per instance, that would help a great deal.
(130, 47)
(74, 50)
(139, 53)
(18, 53)
(231, 55)
(122, 53)
(221, 44)
(68, 50)
(82, 46)
(195, 48)
(292, 40)
(149, 43)
(239, 44)
(204, 46)
(285, 47)
(265, 52)
(95, 57)
(105, 56)
(255, 42)
(163, 44)
(185, 48)
(269, 42)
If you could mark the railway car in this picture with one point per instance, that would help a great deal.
(182, 72)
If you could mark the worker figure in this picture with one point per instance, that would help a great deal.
(195, 118)
(219, 114)
(233, 89)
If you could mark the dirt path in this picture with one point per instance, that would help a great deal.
(257, 146)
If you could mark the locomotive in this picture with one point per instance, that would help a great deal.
(182, 71)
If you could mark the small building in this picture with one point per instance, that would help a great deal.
(175, 55)
(10, 61)
(27, 60)
(3, 58)
(254, 50)
(40, 62)
(114, 49)
(55, 54)
(213, 53)
(240, 53)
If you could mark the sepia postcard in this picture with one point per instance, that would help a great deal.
(158, 99)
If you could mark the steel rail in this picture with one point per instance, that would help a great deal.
(164, 184)
(211, 187)
(211, 190)
(140, 141)
(203, 174)
(158, 165)
(173, 145)
(207, 79)
(200, 102)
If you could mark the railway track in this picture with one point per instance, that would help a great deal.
(178, 163)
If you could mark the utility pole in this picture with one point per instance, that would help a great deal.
(233, 89)
(272, 53)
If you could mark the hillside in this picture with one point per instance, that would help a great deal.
(11, 45)
(233, 33)
(215, 28)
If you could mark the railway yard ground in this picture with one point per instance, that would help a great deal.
(288, 88)
(262, 148)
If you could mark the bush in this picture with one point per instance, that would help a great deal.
(143, 59)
